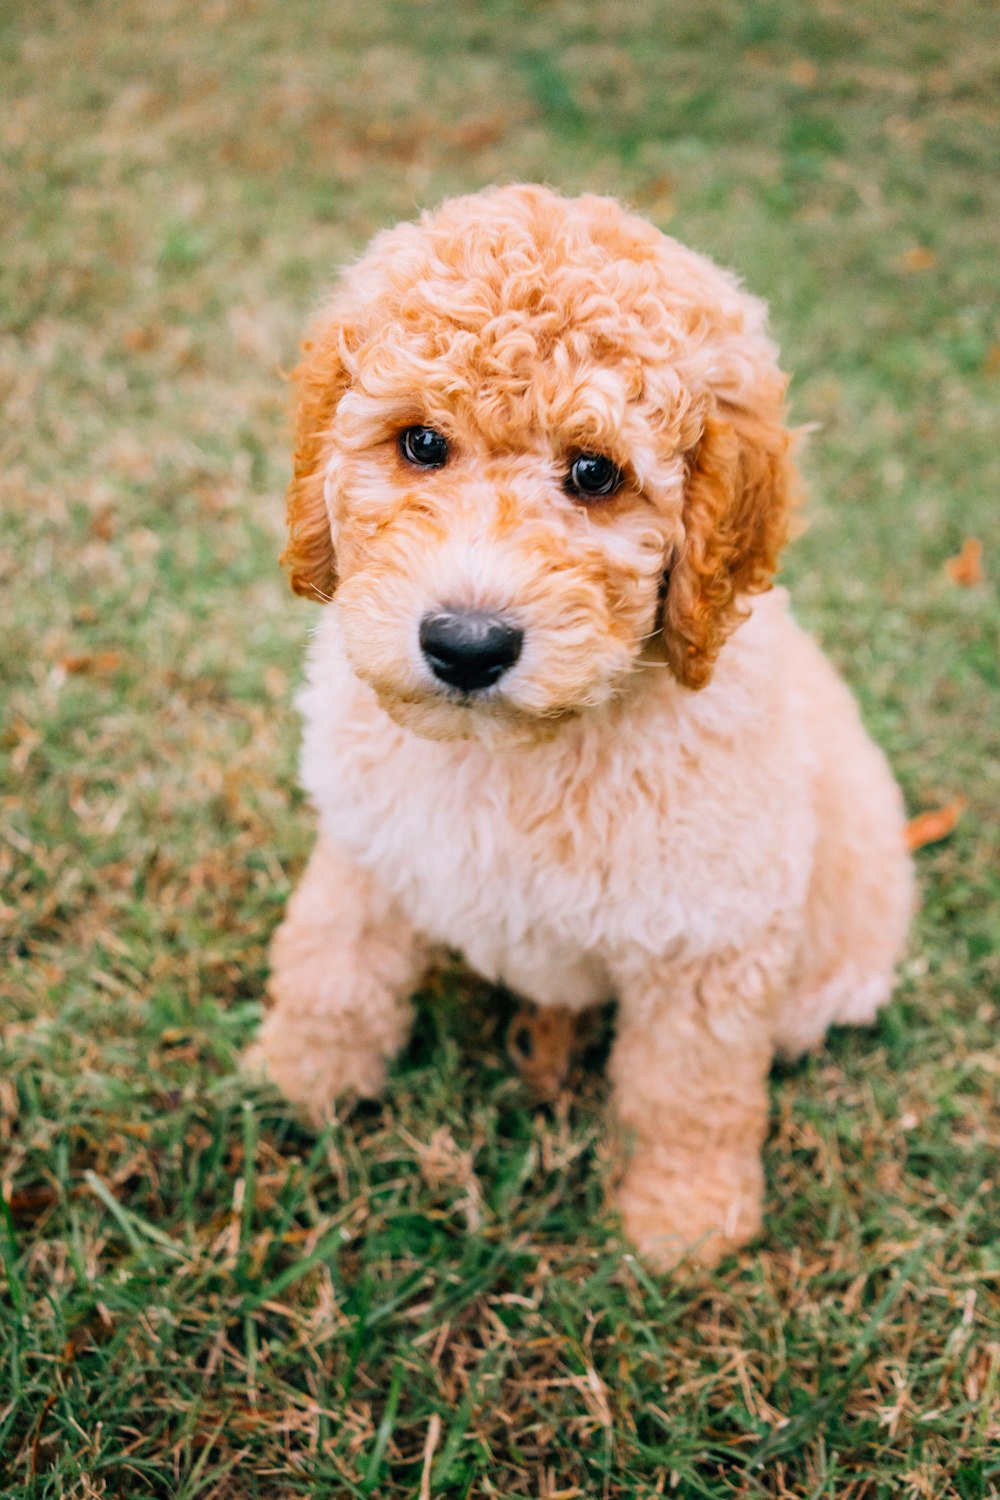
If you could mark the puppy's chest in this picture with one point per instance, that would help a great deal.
(546, 864)
(662, 824)
(475, 865)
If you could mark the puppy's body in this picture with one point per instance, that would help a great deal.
(711, 816)
(728, 862)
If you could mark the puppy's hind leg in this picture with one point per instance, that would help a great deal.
(344, 964)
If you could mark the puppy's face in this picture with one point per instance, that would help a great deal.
(539, 445)
(501, 545)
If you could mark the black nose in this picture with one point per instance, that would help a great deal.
(469, 649)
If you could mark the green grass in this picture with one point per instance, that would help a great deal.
(201, 1299)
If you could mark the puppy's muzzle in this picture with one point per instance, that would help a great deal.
(469, 649)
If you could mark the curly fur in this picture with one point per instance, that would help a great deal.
(728, 862)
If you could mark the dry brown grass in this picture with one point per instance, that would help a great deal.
(201, 1300)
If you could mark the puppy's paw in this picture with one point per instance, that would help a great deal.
(672, 1216)
(313, 1074)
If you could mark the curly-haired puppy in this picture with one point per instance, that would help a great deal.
(554, 718)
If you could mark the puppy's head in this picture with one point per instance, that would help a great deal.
(539, 444)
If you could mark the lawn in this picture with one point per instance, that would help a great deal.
(200, 1298)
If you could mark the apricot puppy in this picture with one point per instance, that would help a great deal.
(554, 717)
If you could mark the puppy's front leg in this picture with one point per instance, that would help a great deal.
(344, 964)
(689, 1070)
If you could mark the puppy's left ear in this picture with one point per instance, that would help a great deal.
(320, 380)
(741, 485)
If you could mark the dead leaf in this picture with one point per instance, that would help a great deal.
(543, 1042)
(966, 568)
(95, 663)
(920, 258)
(31, 1202)
(803, 72)
(478, 133)
(138, 340)
(933, 826)
(102, 523)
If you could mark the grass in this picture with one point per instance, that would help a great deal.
(200, 1299)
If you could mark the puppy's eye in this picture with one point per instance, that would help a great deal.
(592, 476)
(424, 447)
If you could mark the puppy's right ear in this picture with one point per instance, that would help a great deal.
(320, 379)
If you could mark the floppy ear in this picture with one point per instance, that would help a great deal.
(320, 379)
(740, 488)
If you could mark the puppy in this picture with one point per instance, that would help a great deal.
(556, 717)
